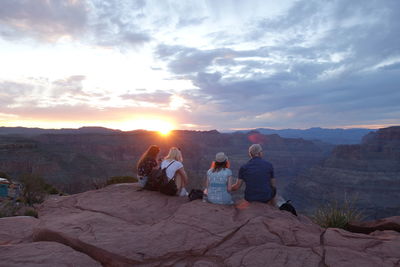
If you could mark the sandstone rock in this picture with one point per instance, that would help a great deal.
(15, 230)
(43, 254)
(391, 223)
(122, 226)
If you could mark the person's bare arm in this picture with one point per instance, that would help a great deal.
(237, 185)
(229, 184)
(273, 183)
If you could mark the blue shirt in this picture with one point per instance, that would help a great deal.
(257, 174)
(217, 190)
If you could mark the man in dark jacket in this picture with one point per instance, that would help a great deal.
(258, 174)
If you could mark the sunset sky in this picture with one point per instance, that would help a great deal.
(199, 65)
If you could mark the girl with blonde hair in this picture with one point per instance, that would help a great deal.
(174, 169)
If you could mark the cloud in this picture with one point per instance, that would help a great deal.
(315, 66)
(394, 66)
(186, 60)
(71, 85)
(46, 20)
(11, 91)
(108, 23)
(115, 23)
(161, 98)
(310, 63)
(185, 22)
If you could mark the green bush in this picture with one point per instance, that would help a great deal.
(121, 180)
(51, 189)
(335, 214)
(34, 189)
(31, 212)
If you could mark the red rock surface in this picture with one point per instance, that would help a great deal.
(120, 226)
(390, 223)
(43, 254)
(15, 230)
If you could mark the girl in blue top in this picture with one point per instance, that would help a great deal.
(219, 181)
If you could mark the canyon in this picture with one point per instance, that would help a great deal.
(310, 173)
(367, 173)
(74, 162)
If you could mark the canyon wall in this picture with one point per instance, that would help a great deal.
(368, 174)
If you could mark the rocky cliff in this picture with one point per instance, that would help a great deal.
(369, 172)
(121, 226)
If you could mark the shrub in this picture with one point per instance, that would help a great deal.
(8, 209)
(98, 183)
(34, 189)
(337, 214)
(31, 212)
(121, 180)
(51, 189)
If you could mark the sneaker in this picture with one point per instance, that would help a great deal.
(183, 192)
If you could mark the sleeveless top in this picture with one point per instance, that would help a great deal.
(217, 186)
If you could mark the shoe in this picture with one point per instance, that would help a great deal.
(183, 192)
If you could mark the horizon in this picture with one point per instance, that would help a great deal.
(219, 130)
(225, 65)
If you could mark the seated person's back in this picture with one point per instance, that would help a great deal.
(218, 182)
(257, 174)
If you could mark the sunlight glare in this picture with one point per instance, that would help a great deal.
(164, 127)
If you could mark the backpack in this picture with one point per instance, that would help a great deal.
(158, 180)
(169, 188)
(288, 207)
(195, 194)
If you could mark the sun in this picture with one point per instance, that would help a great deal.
(165, 132)
(163, 126)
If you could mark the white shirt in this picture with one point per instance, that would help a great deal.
(172, 168)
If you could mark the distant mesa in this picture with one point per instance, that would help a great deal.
(332, 136)
(38, 131)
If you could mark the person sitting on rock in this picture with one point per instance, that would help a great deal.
(219, 180)
(258, 174)
(147, 162)
(175, 169)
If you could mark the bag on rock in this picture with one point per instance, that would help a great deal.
(195, 194)
(157, 178)
(288, 207)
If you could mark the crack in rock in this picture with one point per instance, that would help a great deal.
(226, 238)
(322, 242)
(103, 256)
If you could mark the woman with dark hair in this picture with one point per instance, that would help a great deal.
(219, 180)
(147, 162)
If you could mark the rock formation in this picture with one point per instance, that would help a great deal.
(122, 226)
(369, 172)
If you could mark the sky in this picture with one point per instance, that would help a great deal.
(199, 65)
